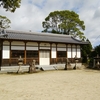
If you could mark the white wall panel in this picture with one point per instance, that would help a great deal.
(53, 45)
(61, 45)
(31, 44)
(6, 52)
(78, 53)
(6, 43)
(61, 49)
(17, 48)
(44, 61)
(69, 53)
(44, 46)
(18, 43)
(73, 52)
(31, 48)
(69, 45)
(53, 53)
(44, 58)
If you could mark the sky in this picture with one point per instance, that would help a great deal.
(32, 13)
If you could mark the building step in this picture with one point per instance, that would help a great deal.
(51, 67)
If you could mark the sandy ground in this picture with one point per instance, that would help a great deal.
(51, 85)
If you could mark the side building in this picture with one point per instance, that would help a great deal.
(45, 48)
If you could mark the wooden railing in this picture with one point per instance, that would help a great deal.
(5, 62)
(28, 60)
(62, 60)
(53, 61)
(72, 60)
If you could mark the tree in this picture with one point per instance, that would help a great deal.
(10, 5)
(94, 53)
(4, 22)
(97, 50)
(64, 22)
(86, 52)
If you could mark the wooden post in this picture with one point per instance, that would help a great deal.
(1, 45)
(10, 55)
(56, 55)
(66, 64)
(76, 60)
(25, 54)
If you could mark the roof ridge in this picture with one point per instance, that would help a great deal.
(44, 37)
(38, 33)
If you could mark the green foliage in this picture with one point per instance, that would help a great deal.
(86, 52)
(64, 22)
(4, 22)
(97, 50)
(94, 53)
(10, 5)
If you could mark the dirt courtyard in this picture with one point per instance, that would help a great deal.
(51, 85)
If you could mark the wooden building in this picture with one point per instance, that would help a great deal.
(45, 48)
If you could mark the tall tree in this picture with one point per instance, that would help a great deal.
(10, 5)
(4, 22)
(86, 52)
(95, 52)
(64, 22)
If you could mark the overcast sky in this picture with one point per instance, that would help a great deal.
(32, 13)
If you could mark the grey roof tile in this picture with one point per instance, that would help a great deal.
(45, 37)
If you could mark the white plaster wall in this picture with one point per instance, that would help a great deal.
(61, 45)
(31, 48)
(17, 47)
(73, 52)
(78, 53)
(69, 45)
(69, 53)
(18, 43)
(44, 46)
(53, 45)
(44, 58)
(53, 53)
(61, 49)
(31, 44)
(6, 52)
(44, 61)
(6, 43)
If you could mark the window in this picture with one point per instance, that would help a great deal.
(61, 53)
(32, 53)
(17, 53)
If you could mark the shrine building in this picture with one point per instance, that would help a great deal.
(45, 48)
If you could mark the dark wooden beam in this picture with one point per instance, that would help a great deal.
(25, 54)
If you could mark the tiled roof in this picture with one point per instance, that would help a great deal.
(44, 37)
